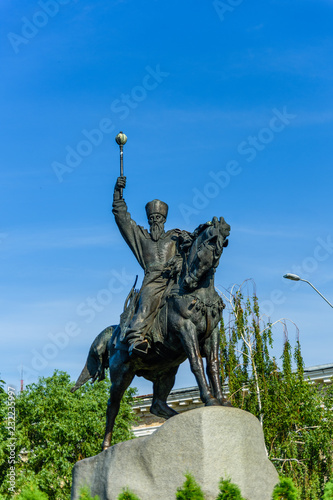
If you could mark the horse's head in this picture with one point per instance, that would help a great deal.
(205, 252)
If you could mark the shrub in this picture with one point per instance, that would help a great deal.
(127, 495)
(32, 492)
(190, 490)
(229, 491)
(85, 494)
(285, 490)
(328, 491)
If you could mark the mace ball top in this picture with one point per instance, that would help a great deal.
(121, 139)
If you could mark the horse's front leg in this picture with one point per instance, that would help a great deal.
(211, 352)
(189, 339)
(163, 384)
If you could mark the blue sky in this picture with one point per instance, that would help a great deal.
(228, 111)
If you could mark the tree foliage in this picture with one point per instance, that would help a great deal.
(55, 429)
(296, 415)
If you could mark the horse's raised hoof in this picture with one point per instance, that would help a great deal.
(161, 409)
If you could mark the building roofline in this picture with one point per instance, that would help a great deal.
(311, 371)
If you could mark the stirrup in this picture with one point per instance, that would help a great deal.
(138, 347)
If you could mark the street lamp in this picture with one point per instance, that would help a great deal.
(294, 277)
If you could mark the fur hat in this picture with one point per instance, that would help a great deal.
(157, 207)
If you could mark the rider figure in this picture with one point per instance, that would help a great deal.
(159, 253)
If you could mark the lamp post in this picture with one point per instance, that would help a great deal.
(295, 277)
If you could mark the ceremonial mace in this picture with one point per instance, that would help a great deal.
(121, 140)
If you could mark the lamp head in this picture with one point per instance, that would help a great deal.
(293, 277)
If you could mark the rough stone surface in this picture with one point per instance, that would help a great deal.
(208, 442)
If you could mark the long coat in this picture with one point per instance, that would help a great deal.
(159, 259)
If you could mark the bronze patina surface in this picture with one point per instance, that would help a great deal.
(174, 316)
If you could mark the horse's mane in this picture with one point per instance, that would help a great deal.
(200, 229)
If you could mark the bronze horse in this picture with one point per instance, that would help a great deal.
(186, 326)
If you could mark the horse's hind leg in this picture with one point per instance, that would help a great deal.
(161, 390)
(121, 377)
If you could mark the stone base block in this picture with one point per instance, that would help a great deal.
(210, 443)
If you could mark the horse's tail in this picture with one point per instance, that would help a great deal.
(83, 378)
(97, 360)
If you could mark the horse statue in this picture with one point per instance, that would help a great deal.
(186, 326)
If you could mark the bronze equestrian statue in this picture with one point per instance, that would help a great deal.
(159, 253)
(174, 316)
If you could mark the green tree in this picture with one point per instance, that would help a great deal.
(190, 490)
(296, 416)
(55, 429)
